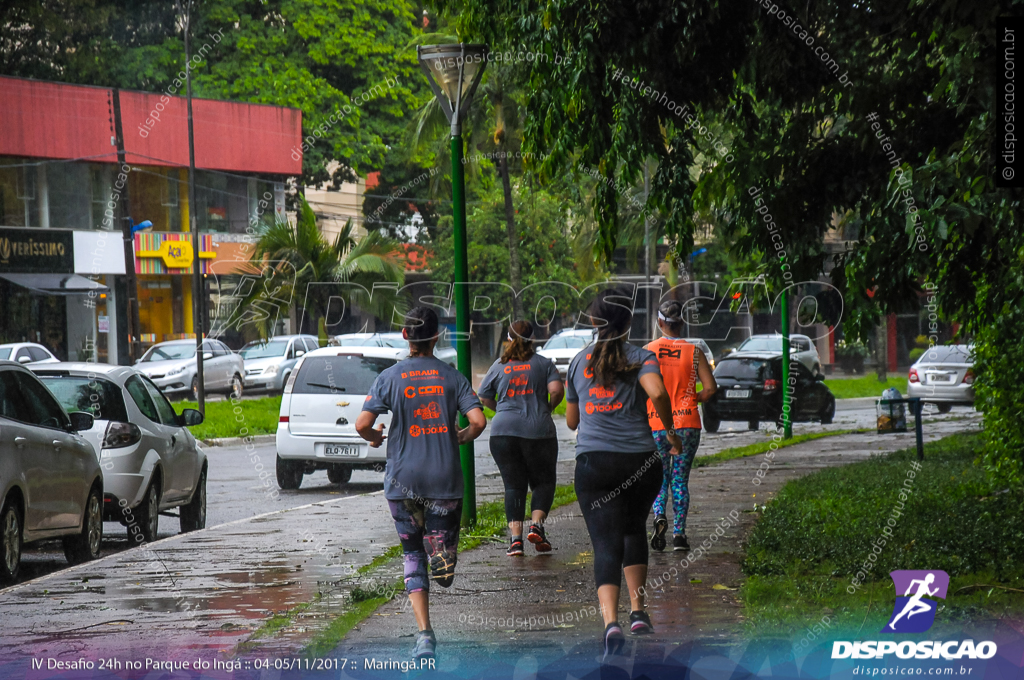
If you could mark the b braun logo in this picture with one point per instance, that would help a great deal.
(913, 613)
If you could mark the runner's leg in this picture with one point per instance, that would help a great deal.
(681, 466)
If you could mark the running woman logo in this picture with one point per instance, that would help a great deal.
(428, 412)
(519, 381)
(912, 613)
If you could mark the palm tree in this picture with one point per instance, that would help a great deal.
(292, 258)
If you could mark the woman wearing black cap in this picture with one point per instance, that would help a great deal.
(618, 470)
(523, 388)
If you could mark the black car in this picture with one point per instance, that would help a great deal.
(750, 389)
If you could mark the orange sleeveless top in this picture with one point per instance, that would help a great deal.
(678, 362)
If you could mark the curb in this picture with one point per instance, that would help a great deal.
(238, 441)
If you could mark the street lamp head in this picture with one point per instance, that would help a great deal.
(453, 71)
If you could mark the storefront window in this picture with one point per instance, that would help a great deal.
(18, 206)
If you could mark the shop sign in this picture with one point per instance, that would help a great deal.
(174, 254)
(49, 251)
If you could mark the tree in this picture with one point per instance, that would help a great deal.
(301, 257)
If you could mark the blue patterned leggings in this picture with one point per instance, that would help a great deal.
(676, 475)
(437, 521)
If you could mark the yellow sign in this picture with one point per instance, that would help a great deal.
(175, 254)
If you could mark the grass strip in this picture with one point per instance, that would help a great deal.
(865, 386)
(256, 416)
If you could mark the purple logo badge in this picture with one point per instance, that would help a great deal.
(912, 612)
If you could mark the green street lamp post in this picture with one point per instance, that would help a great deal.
(454, 71)
(787, 415)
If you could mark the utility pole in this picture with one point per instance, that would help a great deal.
(198, 304)
(125, 217)
(651, 335)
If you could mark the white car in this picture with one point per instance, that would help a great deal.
(268, 363)
(51, 484)
(26, 353)
(323, 397)
(563, 346)
(443, 350)
(800, 346)
(151, 462)
(703, 346)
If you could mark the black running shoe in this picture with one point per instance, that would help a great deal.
(442, 562)
(640, 623)
(660, 528)
(425, 645)
(537, 537)
(515, 547)
(614, 640)
(679, 542)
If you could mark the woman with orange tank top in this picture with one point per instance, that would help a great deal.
(682, 366)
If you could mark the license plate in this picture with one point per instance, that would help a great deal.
(941, 378)
(737, 394)
(341, 450)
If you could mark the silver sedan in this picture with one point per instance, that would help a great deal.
(151, 462)
(944, 376)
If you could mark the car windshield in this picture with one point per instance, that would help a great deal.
(568, 342)
(762, 345)
(357, 342)
(953, 354)
(399, 342)
(96, 396)
(741, 369)
(5, 352)
(345, 374)
(260, 350)
(166, 352)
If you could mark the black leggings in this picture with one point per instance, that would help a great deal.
(526, 462)
(615, 492)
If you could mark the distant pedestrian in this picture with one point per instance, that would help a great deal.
(423, 477)
(618, 470)
(682, 364)
(523, 388)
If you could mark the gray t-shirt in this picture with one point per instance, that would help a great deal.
(614, 418)
(521, 390)
(424, 395)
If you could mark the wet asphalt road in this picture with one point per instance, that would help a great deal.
(235, 490)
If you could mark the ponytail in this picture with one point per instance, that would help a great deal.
(608, 360)
(520, 346)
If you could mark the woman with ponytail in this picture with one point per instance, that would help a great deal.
(618, 470)
(522, 388)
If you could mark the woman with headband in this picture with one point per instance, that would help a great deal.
(618, 470)
(682, 364)
(522, 388)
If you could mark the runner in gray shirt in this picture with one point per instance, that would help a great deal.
(523, 388)
(423, 479)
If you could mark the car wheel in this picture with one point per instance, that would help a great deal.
(195, 389)
(85, 545)
(711, 423)
(829, 413)
(752, 424)
(193, 516)
(339, 474)
(289, 474)
(236, 387)
(944, 408)
(10, 537)
(147, 514)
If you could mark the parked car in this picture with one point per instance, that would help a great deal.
(564, 345)
(151, 462)
(172, 366)
(317, 424)
(704, 348)
(750, 389)
(26, 353)
(801, 346)
(443, 350)
(268, 363)
(944, 376)
(50, 477)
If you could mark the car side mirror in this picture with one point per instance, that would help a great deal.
(207, 355)
(81, 421)
(299, 352)
(190, 417)
(24, 360)
(819, 378)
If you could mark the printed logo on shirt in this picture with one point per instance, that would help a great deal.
(417, 430)
(411, 391)
(588, 372)
(418, 374)
(591, 407)
(520, 367)
(368, 397)
(512, 392)
(428, 412)
(601, 392)
(670, 353)
(675, 412)
(519, 380)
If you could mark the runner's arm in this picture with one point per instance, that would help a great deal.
(489, 403)
(556, 391)
(477, 423)
(364, 426)
(572, 414)
(654, 386)
(707, 378)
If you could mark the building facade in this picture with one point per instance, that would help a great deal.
(62, 254)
